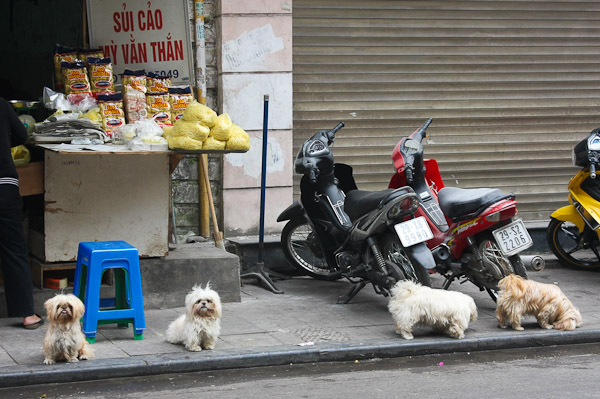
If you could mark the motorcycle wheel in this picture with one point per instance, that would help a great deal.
(392, 250)
(303, 250)
(569, 246)
(495, 260)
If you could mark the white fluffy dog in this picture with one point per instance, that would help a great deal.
(550, 306)
(64, 340)
(446, 311)
(200, 326)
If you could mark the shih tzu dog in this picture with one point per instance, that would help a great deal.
(413, 304)
(64, 340)
(200, 326)
(550, 306)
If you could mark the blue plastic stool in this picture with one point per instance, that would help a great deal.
(93, 259)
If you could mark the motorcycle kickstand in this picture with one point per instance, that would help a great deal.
(448, 281)
(344, 299)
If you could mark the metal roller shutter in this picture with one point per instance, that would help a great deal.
(511, 87)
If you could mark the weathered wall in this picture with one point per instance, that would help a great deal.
(255, 59)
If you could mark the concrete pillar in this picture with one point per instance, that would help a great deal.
(255, 59)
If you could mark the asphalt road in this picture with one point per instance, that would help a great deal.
(550, 372)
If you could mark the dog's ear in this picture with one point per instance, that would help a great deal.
(207, 286)
(78, 307)
(49, 306)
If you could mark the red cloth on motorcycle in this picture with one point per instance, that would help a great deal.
(456, 202)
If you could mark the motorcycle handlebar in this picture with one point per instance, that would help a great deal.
(312, 174)
(593, 171)
(593, 161)
(337, 127)
(422, 129)
(409, 175)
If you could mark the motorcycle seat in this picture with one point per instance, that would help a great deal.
(456, 202)
(361, 202)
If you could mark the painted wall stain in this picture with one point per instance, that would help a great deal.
(251, 161)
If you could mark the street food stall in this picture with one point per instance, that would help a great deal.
(122, 115)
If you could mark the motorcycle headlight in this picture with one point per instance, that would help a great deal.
(402, 208)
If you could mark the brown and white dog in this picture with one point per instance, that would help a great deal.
(550, 306)
(64, 340)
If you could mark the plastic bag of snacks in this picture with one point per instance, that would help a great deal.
(222, 127)
(62, 54)
(20, 155)
(239, 139)
(75, 78)
(159, 108)
(135, 80)
(156, 84)
(85, 54)
(101, 75)
(200, 113)
(179, 98)
(135, 105)
(111, 110)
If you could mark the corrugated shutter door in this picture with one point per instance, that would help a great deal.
(511, 87)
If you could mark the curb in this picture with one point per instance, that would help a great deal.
(276, 356)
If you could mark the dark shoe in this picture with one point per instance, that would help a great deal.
(35, 325)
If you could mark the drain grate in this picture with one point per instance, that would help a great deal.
(320, 335)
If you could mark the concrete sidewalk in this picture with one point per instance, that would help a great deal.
(302, 325)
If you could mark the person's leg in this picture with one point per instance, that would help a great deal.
(14, 256)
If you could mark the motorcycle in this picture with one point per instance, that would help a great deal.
(573, 234)
(335, 230)
(475, 234)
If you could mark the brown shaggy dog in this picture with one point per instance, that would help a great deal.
(519, 297)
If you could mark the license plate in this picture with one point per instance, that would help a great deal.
(513, 238)
(413, 231)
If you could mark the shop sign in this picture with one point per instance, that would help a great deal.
(150, 35)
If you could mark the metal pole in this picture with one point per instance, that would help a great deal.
(263, 178)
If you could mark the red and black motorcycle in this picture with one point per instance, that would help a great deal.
(475, 234)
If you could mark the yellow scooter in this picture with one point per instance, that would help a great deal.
(574, 230)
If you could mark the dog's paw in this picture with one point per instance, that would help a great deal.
(518, 328)
(407, 335)
(194, 348)
(73, 360)
(502, 326)
(49, 361)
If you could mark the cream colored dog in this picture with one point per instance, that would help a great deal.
(200, 326)
(446, 311)
(64, 340)
(519, 297)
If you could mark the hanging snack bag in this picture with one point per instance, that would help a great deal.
(135, 80)
(85, 54)
(101, 75)
(159, 108)
(156, 84)
(111, 110)
(62, 54)
(194, 129)
(179, 98)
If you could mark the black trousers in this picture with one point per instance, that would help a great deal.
(14, 255)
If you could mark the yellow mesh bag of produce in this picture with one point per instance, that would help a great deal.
(222, 128)
(212, 143)
(183, 143)
(194, 130)
(200, 113)
(239, 140)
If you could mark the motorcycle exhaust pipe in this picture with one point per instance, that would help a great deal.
(441, 253)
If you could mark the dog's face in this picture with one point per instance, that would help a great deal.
(203, 303)
(514, 285)
(64, 309)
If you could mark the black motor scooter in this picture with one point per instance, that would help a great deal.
(336, 230)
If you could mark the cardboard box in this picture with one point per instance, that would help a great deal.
(31, 178)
